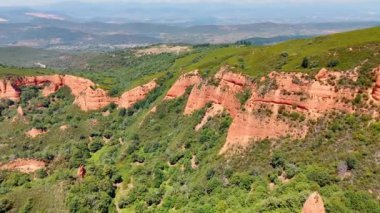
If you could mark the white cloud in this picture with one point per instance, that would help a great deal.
(45, 16)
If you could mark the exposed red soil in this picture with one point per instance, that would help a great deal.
(314, 204)
(33, 133)
(266, 113)
(23, 165)
(376, 88)
(87, 96)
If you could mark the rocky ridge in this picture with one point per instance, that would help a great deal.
(87, 96)
(279, 105)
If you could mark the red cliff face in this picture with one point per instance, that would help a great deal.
(8, 91)
(184, 82)
(224, 93)
(137, 94)
(283, 110)
(86, 96)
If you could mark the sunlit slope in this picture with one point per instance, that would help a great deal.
(348, 49)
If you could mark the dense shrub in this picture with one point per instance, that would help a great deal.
(95, 146)
(320, 176)
(351, 162)
(305, 63)
(361, 202)
(41, 173)
(95, 193)
(5, 205)
(127, 200)
(333, 63)
(277, 161)
(27, 93)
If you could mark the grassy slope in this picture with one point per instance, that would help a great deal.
(13, 71)
(262, 60)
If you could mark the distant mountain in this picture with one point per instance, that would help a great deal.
(206, 13)
(58, 31)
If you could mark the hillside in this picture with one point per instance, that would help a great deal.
(217, 128)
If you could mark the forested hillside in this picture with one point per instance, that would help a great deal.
(158, 148)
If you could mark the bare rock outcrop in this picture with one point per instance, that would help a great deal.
(314, 204)
(276, 109)
(20, 111)
(23, 165)
(8, 91)
(184, 82)
(137, 94)
(224, 94)
(86, 95)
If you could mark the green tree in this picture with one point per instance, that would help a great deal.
(305, 62)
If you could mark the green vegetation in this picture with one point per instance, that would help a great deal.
(137, 161)
(123, 70)
(341, 51)
(6, 71)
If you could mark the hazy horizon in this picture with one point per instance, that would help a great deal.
(199, 12)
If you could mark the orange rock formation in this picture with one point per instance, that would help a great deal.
(266, 113)
(7, 91)
(86, 96)
(314, 204)
(24, 165)
(184, 82)
(230, 84)
(137, 94)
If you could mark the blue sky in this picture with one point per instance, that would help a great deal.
(213, 11)
(296, 2)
